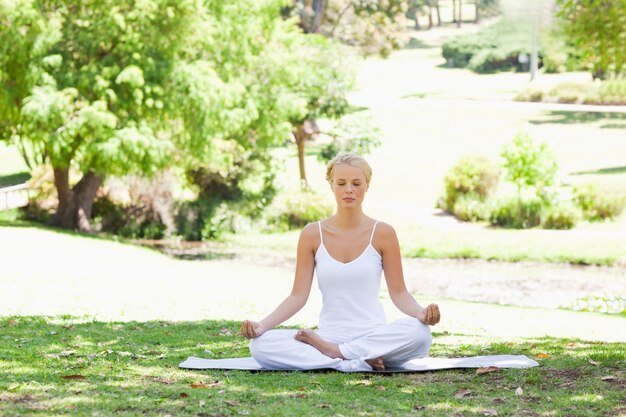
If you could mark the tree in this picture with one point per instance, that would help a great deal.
(111, 88)
(597, 30)
(324, 79)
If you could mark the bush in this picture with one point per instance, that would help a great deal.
(295, 210)
(596, 206)
(570, 92)
(529, 165)
(136, 207)
(470, 208)
(493, 48)
(561, 216)
(472, 175)
(608, 92)
(517, 213)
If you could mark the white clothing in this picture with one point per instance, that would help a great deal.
(351, 316)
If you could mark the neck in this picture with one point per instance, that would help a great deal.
(350, 218)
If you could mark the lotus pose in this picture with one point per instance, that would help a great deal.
(349, 251)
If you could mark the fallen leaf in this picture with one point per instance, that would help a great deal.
(323, 405)
(490, 413)
(300, 396)
(74, 377)
(380, 388)
(462, 393)
(418, 407)
(198, 385)
(183, 395)
(609, 378)
(519, 391)
(201, 403)
(233, 403)
(542, 355)
(591, 361)
(13, 323)
(487, 369)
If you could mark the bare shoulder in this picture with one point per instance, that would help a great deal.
(385, 231)
(310, 235)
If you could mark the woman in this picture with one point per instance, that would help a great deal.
(349, 251)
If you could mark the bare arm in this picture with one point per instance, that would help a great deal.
(387, 241)
(305, 265)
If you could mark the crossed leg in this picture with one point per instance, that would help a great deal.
(330, 349)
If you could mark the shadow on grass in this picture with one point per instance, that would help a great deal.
(579, 117)
(414, 43)
(78, 366)
(132, 368)
(602, 171)
(14, 179)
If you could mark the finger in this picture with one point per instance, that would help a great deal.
(436, 314)
(427, 315)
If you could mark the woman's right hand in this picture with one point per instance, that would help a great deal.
(251, 329)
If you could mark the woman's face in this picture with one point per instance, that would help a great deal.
(349, 185)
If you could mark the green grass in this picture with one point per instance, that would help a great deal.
(68, 366)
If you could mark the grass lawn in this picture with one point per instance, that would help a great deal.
(13, 170)
(68, 366)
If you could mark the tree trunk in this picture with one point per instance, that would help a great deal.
(458, 22)
(301, 137)
(319, 8)
(430, 17)
(453, 11)
(74, 210)
(438, 12)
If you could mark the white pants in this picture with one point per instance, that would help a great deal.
(396, 343)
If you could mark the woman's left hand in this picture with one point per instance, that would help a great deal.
(430, 315)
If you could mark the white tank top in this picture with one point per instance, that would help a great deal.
(349, 290)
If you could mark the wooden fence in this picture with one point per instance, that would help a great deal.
(13, 197)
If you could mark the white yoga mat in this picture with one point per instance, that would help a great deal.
(416, 365)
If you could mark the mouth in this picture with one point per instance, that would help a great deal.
(348, 199)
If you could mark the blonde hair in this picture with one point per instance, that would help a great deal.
(352, 159)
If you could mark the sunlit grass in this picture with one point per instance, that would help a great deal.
(568, 382)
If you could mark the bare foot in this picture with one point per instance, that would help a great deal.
(309, 337)
(377, 364)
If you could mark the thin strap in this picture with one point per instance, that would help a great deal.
(373, 230)
(319, 223)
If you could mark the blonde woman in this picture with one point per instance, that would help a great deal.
(348, 251)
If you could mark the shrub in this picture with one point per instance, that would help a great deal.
(517, 213)
(529, 165)
(295, 210)
(136, 207)
(532, 94)
(610, 92)
(470, 208)
(472, 175)
(596, 206)
(496, 47)
(561, 216)
(570, 92)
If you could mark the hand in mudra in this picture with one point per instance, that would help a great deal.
(251, 329)
(430, 315)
